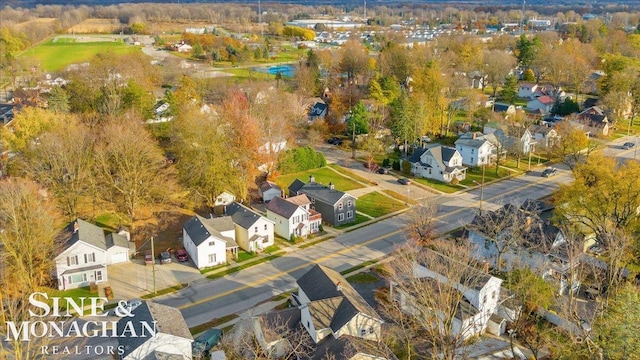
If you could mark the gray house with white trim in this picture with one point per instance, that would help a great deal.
(337, 208)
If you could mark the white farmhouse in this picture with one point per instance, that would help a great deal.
(86, 254)
(208, 240)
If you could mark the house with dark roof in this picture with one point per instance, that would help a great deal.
(593, 121)
(208, 240)
(339, 323)
(293, 216)
(514, 139)
(475, 149)
(318, 111)
(253, 232)
(438, 162)
(541, 246)
(268, 190)
(544, 136)
(527, 90)
(337, 208)
(508, 109)
(479, 300)
(87, 252)
(154, 331)
(7, 112)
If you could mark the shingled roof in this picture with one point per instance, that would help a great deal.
(242, 215)
(200, 229)
(287, 207)
(324, 193)
(333, 301)
(168, 320)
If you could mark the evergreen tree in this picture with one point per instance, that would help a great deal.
(510, 90)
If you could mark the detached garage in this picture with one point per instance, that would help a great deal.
(118, 250)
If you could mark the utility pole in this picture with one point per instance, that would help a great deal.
(153, 265)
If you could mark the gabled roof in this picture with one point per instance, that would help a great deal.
(500, 107)
(474, 143)
(287, 207)
(86, 232)
(440, 154)
(318, 109)
(242, 215)
(268, 185)
(114, 239)
(295, 186)
(593, 116)
(346, 345)
(526, 84)
(546, 99)
(332, 297)
(200, 229)
(317, 191)
(540, 129)
(168, 320)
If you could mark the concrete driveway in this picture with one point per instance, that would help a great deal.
(135, 279)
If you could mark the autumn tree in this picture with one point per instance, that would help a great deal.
(28, 125)
(604, 196)
(402, 120)
(615, 331)
(63, 163)
(353, 60)
(573, 142)
(498, 64)
(28, 241)
(129, 165)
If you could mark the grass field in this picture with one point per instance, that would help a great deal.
(55, 54)
(93, 25)
(375, 204)
(323, 176)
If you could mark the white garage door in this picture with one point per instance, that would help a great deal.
(119, 257)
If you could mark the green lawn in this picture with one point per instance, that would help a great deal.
(439, 185)
(359, 219)
(108, 220)
(362, 278)
(244, 255)
(375, 204)
(323, 176)
(475, 174)
(75, 294)
(55, 55)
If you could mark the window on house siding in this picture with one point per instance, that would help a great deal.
(349, 214)
(349, 203)
(371, 330)
(89, 258)
(77, 278)
(340, 217)
(72, 260)
(255, 229)
(212, 258)
(265, 226)
(212, 243)
(363, 332)
(340, 206)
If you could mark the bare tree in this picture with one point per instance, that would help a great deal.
(129, 165)
(28, 242)
(429, 290)
(273, 335)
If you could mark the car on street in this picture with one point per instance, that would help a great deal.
(335, 141)
(628, 145)
(548, 172)
(148, 258)
(383, 170)
(404, 181)
(127, 308)
(182, 255)
(165, 257)
(205, 342)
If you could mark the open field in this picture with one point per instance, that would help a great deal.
(58, 52)
(92, 26)
(375, 204)
(41, 23)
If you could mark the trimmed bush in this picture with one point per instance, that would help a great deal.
(396, 165)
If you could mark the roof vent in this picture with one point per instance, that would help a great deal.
(338, 287)
(312, 179)
(331, 186)
(75, 227)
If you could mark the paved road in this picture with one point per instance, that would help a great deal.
(206, 300)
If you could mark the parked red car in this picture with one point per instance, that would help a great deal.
(182, 255)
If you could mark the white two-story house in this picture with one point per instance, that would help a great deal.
(254, 232)
(208, 240)
(438, 162)
(86, 254)
(475, 149)
(480, 294)
(293, 216)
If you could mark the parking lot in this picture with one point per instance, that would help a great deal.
(135, 279)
